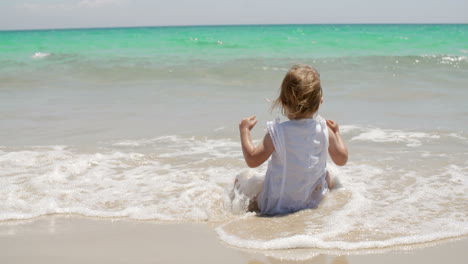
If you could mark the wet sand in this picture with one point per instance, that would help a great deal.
(74, 239)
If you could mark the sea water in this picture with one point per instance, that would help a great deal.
(141, 123)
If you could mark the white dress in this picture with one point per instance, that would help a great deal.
(295, 178)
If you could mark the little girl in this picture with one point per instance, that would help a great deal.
(297, 176)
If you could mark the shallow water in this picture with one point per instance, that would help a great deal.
(142, 123)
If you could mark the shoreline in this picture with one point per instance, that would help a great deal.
(77, 239)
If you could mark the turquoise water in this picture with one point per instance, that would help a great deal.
(159, 48)
(233, 42)
(141, 123)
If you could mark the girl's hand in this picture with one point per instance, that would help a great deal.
(333, 126)
(254, 156)
(248, 122)
(337, 147)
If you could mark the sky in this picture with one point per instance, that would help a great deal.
(45, 14)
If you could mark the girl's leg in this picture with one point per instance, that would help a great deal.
(249, 184)
(331, 181)
(253, 206)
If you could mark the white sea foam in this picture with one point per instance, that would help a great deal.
(309, 241)
(363, 215)
(40, 55)
(451, 59)
(458, 136)
(269, 68)
(378, 135)
(345, 129)
(384, 199)
(114, 183)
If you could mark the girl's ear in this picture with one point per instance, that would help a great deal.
(321, 101)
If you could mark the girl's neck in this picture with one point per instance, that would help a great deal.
(310, 116)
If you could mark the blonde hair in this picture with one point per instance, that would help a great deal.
(301, 92)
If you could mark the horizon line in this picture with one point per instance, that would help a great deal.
(225, 25)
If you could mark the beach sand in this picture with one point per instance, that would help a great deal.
(74, 239)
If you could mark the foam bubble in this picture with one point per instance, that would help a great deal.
(411, 139)
(40, 55)
(449, 59)
(219, 129)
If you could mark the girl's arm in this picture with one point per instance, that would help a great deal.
(254, 155)
(337, 148)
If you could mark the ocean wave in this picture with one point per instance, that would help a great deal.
(377, 207)
(395, 137)
(411, 139)
(309, 241)
(253, 68)
(389, 196)
(114, 183)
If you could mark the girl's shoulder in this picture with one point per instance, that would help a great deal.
(317, 122)
(315, 125)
